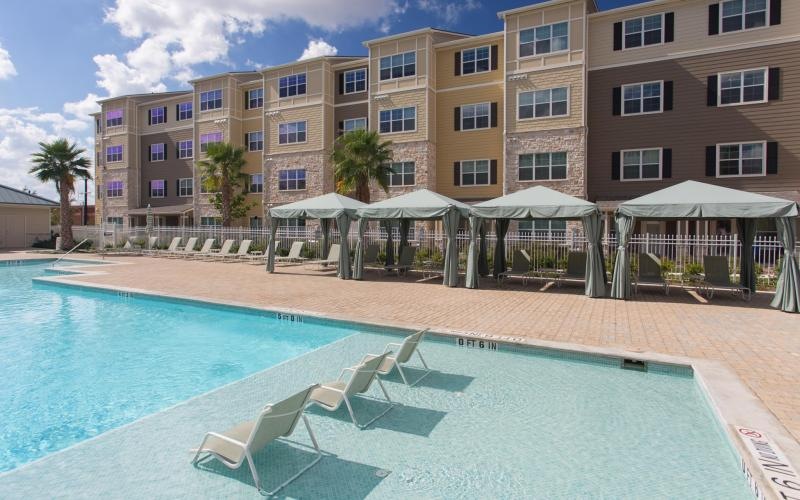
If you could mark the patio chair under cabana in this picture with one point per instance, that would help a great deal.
(418, 205)
(538, 202)
(327, 207)
(697, 200)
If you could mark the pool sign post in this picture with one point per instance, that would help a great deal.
(783, 479)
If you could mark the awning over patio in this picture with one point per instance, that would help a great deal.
(168, 210)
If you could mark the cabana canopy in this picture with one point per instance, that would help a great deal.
(326, 207)
(539, 202)
(697, 200)
(417, 205)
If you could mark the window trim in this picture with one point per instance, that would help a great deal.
(355, 81)
(249, 141)
(247, 104)
(163, 188)
(221, 100)
(740, 174)
(741, 87)
(569, 104)
(416, 60)
(416, 119)
(641, 179)
(461, 115)
(663, 31)
(344, 124)
(535, 54)
(550, 167)
(222, 139)
(743, 29)
(476, 72)
(190, 111)
(461, 173)
(121, 118)
(121, 153)
(121, 189)
(178, 146)
(287, 143)
(191, 186)
(250, 184)
(402, 174)
(297, 94)
(163, 115)
(163, 152)
(305, 179)
(641, 99)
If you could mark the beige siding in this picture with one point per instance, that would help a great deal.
(419, 44)
(315, 73)
(571, 77)
(415, 98)
(445, 65)
(313, 117)
(20, 225)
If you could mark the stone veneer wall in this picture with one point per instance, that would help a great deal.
(319, 176)
(423, 154)
(573, 141)
(117, 207)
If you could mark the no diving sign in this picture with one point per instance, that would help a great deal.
(782, 478)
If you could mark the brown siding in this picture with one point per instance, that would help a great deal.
(692, 125)
(343, 98)
(171, 169)
(342, 113)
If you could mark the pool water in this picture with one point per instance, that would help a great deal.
(76, 363)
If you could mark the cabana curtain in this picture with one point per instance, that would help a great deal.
(747, 268)
(787, 291)
(358, 261)
(595, 277)
(621, 284)
(472, 255)
(343, 224)
(500, 229)
(450, 222)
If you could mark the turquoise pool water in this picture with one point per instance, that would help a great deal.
(75, 363)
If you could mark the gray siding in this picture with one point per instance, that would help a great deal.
(171, 169)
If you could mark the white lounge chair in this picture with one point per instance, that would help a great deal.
(191, 244)
(242, 252)
(520, 267)
(718, 277)
(294, 254)
(405, 350)
(173, 247)
(332, 259)
(224, 251)
(576, 268)
(650, 273)
(371, 256)
(204, 251)
(331, 395)
(237, 445)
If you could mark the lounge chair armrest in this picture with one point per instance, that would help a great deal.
(224, 438)
(391, 344)
(345, 370)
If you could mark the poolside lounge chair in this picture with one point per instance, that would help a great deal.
(241, 253)
(188, 249)
(237, 445)
(331, 395)
(405, 262)
(294, 253)
(576, 268)
(650, 273)
(204, 252)
(718, 277)
(371, 255)
(408, 347)
(331, 260)
(224, 251)
(520, 267)
(173, 247)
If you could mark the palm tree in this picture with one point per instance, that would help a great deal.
(222, 173)
(360, 157)
(62, 163)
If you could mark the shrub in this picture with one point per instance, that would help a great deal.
(667, 266)
(48, 243)
(258, 247)
(693, 268)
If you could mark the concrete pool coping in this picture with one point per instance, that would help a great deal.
(732, 402)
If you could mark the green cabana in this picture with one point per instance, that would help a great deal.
(697, 200)
(538, 202)
(417, 205)
(326, 208)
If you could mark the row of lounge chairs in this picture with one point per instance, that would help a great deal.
(236, 446)
(716, 276)
(207, 251)
(521, 268)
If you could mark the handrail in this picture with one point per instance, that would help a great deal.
(70, 251)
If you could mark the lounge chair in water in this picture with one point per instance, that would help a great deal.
(224, 251)
(405, 262)
(331, 395)
(173, 247)
(237, 445)
(331, 260)
(204, 252)
(718, 277)
(520, 267)
(405, 350)
(576, 268)
(191, 244)
(294, 253)
(650, 273)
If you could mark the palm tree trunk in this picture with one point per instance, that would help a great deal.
(67, 240)
(362, 191)
(226, 204)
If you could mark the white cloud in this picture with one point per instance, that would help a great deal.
(448, 12)
(7, 69)
(317, 48)
(83, 108)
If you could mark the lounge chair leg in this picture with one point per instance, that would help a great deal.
(352, 415)
(311, 434)
(402, 375)
(422, 359)
(386, 394)
(253, 471)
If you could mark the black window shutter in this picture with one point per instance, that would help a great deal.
(457, 118)
(149, 151)
(774, 12)
(246, 101)
(341, 83)
(713, 19)
(341, 128)
(615, 160)
(494, 57)
(666, 163)
(493, 113)
(668, 96)
(149, 117)
(711, 161)
(166, 191)
(493, 172)
(165, 114)
(774, 84)
(177, 112)
(457, 63)
(149, 188)
(178, 187)
(177, 151)
(165, 151)
(711, 91)
(669, 27)
(772, 158)
(616, 101)
(457, 173)
(618, 36)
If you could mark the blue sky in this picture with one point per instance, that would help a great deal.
(57, 57)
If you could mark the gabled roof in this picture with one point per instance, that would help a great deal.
(11, 196)
(535, 202)
(420, 204)
(327, 206)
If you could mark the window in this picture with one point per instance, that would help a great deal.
(354, 124)
(402, 174)
(256, 222)
(185, 187)
(290, 133)
(475, 116)
(206, 139)
(475, 173)
(97, 127)
(739, 160)
(114, 189)
(292, 180)
(293, 223)
(210, 221)
(543, 103)
(475, 60)
(157, 152)
(398, 120)
(113, 153)
(641, 98)
(740, 87)
(157, 115)
(398, 65)
(743, 14)
(543, 166)
(114, 220)
(643, 31)
(254, 140)
(355, 81)
(114, 118)
(544, 227)
(211, 100)
(257, 183)
(544, 39)
(185, 149)
(641, 164)
(255, 99)
(204, 185)
(292, 85)
(184, 111)
(157, 189)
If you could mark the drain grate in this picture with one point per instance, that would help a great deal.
(634, 364)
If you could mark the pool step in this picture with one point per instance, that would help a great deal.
(633, 364)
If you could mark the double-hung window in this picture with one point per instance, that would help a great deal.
(402, 173)
(292, 85)
(114, 118)
(354, 124)
(114, 220)
(211, 100)
(740, 87)
(184, 111)
(114, 189)
(641, 164)
(158, 115)
(113, 153)
(544, 39)
(157, 152)
(185, 149)
(292, 180)
(543, 103)
(207, 139)
(543, 166)
(255, 99)
(642, 31)
(475, 116)
(741, 160)
(475, 60)
(210, 221)
(355, 81)
(292, 132)
(475, 173)
(740, 15)
(185, 187)
(398, 66)
(398, 120)
(257, 183)
(544, 227)
(640, 98)
(157, 188)
(254, 140)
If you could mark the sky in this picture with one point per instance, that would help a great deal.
(57, 57)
